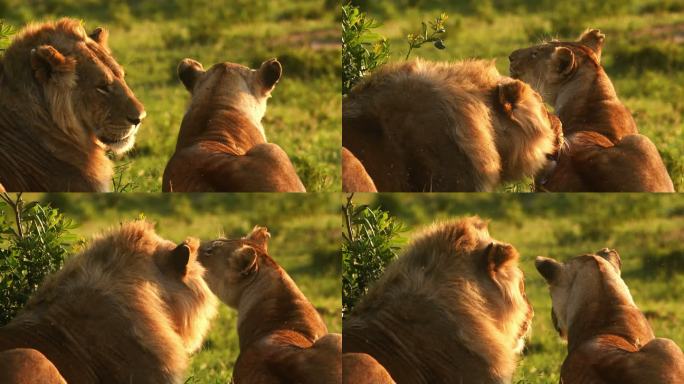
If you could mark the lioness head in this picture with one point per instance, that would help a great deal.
(232, 264)
(573, 283)
(231, 86)
(549, 65)
(75, 77)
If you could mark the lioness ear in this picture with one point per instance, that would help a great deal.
(593, 38)
(100, 35)
(246, 260)
(500, 255)
(48, 63)
(269, 74)
(260, 236)
(613, 257)
(189, 71)
(563, 59)
(548, 268)
(510, 94)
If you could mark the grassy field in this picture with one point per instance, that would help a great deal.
(149, 38)
(647, 231)
(643, 53)
(305, 241)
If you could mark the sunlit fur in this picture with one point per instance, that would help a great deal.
(55, 123)
(423, 125)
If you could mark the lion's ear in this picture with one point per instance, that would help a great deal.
(49, 64)
(499, 256)
(269, 74)
(100, 36)
(260, 236)
(189, 71)
(563, 60)
(613, 258)
(245, 260)
(548, 268)
(593, 38)
(510, 95)
(179, 258)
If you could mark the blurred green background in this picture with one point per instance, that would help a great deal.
(646, 229)
(305, 232)
(643, 52)
(150, 37)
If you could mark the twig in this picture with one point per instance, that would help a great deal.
(347, 216)
(17, 206)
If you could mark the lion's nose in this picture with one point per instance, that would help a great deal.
(138, 119)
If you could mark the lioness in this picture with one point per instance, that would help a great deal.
(282, 337)
(609, 339)
(603, 151)
(354, 175)
(128, 309)
(451, 309)
(222, 144)
(63, 103)
(423, 126)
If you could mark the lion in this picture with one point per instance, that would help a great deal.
(361, 368)
(64, 104)
(354, 175)
(609, 339)
(283, 339)
(424, 126)
(222, 144)
(604, 151)
(128, 309)
(451, 308)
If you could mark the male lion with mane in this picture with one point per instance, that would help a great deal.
(423, 126)
(452, 308)
(64, 103)
(282, 337)
(609, 339)
(604, 151)
(128, 309)
(222, 144)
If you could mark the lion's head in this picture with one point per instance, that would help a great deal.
(72, 77)
(550, 65)
(231, 86)
(572, 284)
(232, 263)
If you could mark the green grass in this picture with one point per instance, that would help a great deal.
(149, 39)
(643, 53)
(305, 241)
(647, 231)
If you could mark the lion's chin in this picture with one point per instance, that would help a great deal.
(120, 145)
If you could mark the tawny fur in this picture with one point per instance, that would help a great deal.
(354, 175)
(283, 339)
(451, 307)
(361, 368)
(127, 309)
(221, 144)
(423, 126)
(604, 151)
(56, 119)
(609, 339)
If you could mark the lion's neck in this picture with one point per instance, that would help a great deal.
(608, 311)
(43, 157)
(272, 303)
(593, 105)
(231, 128)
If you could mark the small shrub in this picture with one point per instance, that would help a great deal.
(437, 30)
(32, 245)
(370, 242)
(6, 31)
(362, 49)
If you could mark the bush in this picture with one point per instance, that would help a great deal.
(6, 31)
(32, 245)
(362, 49)
(369, 244)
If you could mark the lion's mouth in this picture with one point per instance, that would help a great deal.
(113, 140)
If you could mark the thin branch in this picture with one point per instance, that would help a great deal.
(347, 216)
(17, 206)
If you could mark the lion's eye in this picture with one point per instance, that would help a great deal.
(105, 89)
